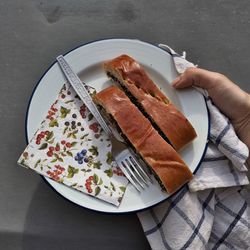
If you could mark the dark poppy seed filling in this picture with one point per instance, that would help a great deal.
(139, 106)
(109, 119)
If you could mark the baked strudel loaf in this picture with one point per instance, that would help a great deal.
(166, 164)
(172, 125)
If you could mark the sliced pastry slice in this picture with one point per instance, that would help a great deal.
(172, 125)
(166, 164)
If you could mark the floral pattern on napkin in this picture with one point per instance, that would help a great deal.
(71, 148)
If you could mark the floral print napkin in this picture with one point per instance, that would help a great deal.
(71, 148)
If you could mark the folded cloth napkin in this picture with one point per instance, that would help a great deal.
(70, 147)
(212, 211)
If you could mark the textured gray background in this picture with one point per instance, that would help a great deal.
(215, 35)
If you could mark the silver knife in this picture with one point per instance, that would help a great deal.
(80, 88)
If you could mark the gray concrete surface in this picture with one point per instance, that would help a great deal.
(215, 35)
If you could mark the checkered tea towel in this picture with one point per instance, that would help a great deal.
(212, 211)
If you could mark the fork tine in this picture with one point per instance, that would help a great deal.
(139, 168)
(127, 174)
(136, 170)
(128, 167)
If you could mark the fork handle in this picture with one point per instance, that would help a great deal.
(80, 88)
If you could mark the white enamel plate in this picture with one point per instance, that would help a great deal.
(87, 61)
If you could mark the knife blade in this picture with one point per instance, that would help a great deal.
(80, 88)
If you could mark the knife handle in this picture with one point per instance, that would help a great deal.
(80, 88)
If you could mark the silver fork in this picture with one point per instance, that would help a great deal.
(120, 152)
(128, 163)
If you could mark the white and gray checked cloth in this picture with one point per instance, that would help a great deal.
(213, 210)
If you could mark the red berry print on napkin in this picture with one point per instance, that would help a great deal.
(118, 171)
(88, 184)
(51, 112)
(55, 174)
(94, 183)
(94, 127)
(83, 111)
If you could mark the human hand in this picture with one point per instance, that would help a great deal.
(227, 96)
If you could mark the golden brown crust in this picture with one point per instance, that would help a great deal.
(168, 118)
(155, 151)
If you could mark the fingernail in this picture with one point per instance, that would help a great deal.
(175, 82)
